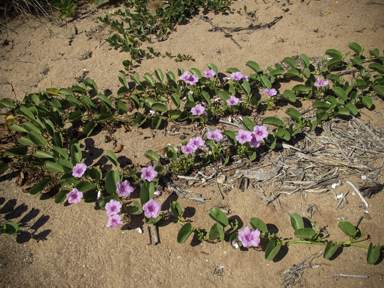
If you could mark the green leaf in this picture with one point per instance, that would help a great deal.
(88, 129)
(112, 158)
(136, 209)
(223, 95)
(39, 186)
(289, 95)
(334, 78)
(74, 115)
(334, 63)
(10, 228)
(231, 136)
(18, 151)
(301, 88)
(274, 121)
(340, 93)
(53, 167)
(348, 228)
(357, 61)
(330, 249)
(3, 168)
(283, 133)
(37, 139)
(171, 76)
(121, 106)
(373, 253)
(122, 90)
(42, 154)
(156, 121)
(90, 197)
(135, 77)
(152, 220)
(213, 66)
(305, 59)
(18, 128)
(367, 101)
(62, 195)
(320, 104)
(7, 103)
(290, 61)
(55, 117)
(219, 216)
(66, 92)
(95, 173)
(176, 209)
(159, 107)
(85, 186)
(355, 47)
(159, 75)
(123, 79)
(253, 65)
(171, 152)
(272, 249)
(90, 83)
(379, 89)
(232, 70)
(105, 100)
(216, 232)
(151, 155)
(110, 181)
(305, 233)
(88, 102)
(248, 123)
(297, 222)
(184, 233)
(246, 87)
(342, 111)
(266, 82)
(196, 72)
(257, 223)
(375, 52)
(26, 112)
(352, 108)
(176, 99)
(25, 141)
(334, 53)
(76, 154)
(148, 77)
(144, 193)
(293, 113)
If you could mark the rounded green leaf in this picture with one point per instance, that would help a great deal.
(53, 167)
(305, 59)
(121, 106)
(293, 113)
(11, 228)
(334, 63)
(334, 53)
(289, 95)
(377, 67)
(348, 228)
(272, 249)
(176, 209)
(26, 112)
(25, 141)
(320, 104)
(39, 186)
(159, 75)
(216, 232)
(88, 129)
(246, 87)
(171, 152)
(266, 82)
(305, 233)
(37, 139)
(111, 180)
(176, 99)
(18, 128)
(330, 250)
(379, 89)
(290, 61)
(184, 233)
(62, 195)
(219, 216)
(274, 121)
(196, 72)
(357, 61)
(148, 77)
(375, 52)
(248, 123)
(231, 136)
(373, 253)
(355, 47)
(223, 95)
(367, 101)
(136, 209)
(232, 70)
(90, 83)
(340, 93)
(42, 154)
(7, 103)
(257, 223)
(301, 88)
(254, 66)
(18, 151)
(85, 186)
(352, 108)
(297, 222)
(159, 107)
(213, 66)
(112, 158)
(151, 155)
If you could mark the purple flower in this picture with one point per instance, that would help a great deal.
(254, 142)
(148, 174)
(233, 101)
(198, 110)
(74, 196)
(249, 238)
(170, 215)
(320, 83)
(79, 170)
(237, 76)
(151, 209)
(184, 76)
(124, 188)
(192, 80)
(114, 220)
(215, 135)
(260, 132)
(189, 148)
(246, 78)
(198, 142)
(210, 73)
(234, 244)
(244, 136)
(271, 92)
(113, 207)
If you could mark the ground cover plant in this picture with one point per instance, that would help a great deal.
(41, 128)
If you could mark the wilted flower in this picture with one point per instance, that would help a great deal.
(244, 136)
(74, 196)
(79, 170)
(170, 215)
(249, 238)
(320, 83)
(271, 92)
(124, 188)
(233, 101)
(157, 193)
(114, 220)
(215, 135)
(198, 110)
(151, 209)
(198, 142)
(113, 207)
(190, 92)
(210, 73)
(234, 244)
(260, 132)
(148, 173)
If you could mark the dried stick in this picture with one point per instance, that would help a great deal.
(149, 242)
(358, 193)
(155, 234)
(346, 276)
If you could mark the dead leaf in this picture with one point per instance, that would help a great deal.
(28, 187)
(118, 148)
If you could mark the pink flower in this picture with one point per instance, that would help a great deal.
(198, 142)
(113, 207)
(234, 244)
(320, 83)
(271, 92)
(254, 142)
(184, 76)
(210, 73)
(192, 80)
(189, 148)
(74, 196)
(215, 135)
(148, 174)
(249, 238)
(114, 220)
(79, 170)
(260, 132)
(124, 188)
(198, 110)
(151, 209)
(237, 76)
(233, 101)
(244, 136)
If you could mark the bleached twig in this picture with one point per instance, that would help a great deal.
(358, 193)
